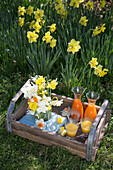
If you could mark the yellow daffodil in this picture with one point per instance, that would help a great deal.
(89, 5)
(93, 62)
(47, 37)
(74, 3)
(49, 107)
(52, 84)
(21, 21)
(102, 28)
(21, 10)
(38, 20)
(41, 86)
(32, 36)
(37, 27)
(53, 43)
(29, 11)
(52, 28)
(62, 131)
(103, 72)
(98, 69)
(39, 14)
(40, 80)
(64, 13)
(31, 24)
(59, 120)
(60, 8)
(96, 31)
(102, 3)
(33, 106)
(80, 1)
(83, 21)
(73, 46)
(58, 2)
(62, 128)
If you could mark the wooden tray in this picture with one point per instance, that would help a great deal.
(85, 148)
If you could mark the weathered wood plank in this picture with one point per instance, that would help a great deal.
(49, 136)
(99, 141)
(99, 129)
(100, 113)
(20, 111)
(108, 114)
(32, 137)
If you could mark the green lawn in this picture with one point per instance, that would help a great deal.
(20, 60)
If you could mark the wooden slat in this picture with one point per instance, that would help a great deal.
(98, 142)
(32, 137)
(49, 136)
(100, 113)
(67, 102)
(99, 129)
(20, 111)
(108, 114)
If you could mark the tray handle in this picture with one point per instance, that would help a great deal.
(94, 126)
(12, 105)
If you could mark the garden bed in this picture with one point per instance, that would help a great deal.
(83, 147)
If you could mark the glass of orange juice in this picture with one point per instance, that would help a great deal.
(85, 126)
(71, 128)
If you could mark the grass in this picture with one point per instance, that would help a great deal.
(19, 153)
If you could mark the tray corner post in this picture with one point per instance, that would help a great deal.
(90, 143)
(9, 116)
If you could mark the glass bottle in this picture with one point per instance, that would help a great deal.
(77, 107)
(90, 111)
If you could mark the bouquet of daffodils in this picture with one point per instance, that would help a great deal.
(39, 98)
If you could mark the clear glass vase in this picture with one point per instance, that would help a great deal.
(90, 111)
(77, 107)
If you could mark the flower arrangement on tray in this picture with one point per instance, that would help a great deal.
(38, 93)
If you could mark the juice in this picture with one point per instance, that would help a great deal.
(86, 125)
(71, 129)
(77, 108)
(90, 112)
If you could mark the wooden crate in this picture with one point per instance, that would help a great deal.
(84, 148)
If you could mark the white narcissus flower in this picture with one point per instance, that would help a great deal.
(29, 91)
(42, 107)
(59, 102)
(34, 78)
(40, 124)
(56, 102)
(47, 99)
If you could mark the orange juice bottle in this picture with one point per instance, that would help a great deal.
(77, 107)
(90, 111)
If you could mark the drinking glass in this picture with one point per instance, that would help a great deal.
(71, 128)
(85, 126)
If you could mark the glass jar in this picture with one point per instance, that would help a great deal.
(90, 111)
(77, 107)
